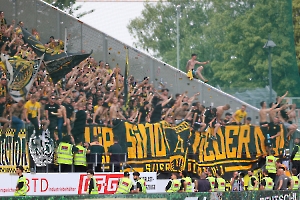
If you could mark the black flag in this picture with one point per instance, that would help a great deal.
(58, 64)
(59, 67)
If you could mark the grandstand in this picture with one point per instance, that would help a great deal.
(48, 20)
(79, 37)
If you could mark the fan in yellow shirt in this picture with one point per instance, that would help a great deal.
(239, 115)
(32, 112)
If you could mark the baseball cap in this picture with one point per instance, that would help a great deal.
(126, 174)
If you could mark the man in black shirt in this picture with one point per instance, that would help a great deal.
(274, 131)
(203, 184)
(69, 113)
(79, 124)
(210, 120)
(51, 108)
(115, 153)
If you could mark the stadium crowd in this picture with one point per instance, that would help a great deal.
(93, 94)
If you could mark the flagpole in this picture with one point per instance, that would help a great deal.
(126, 98)
(117, 80)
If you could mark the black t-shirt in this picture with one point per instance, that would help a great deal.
(263, 182)
(116, 151)
(80, 120)
(96, 151)
(139, 186)
(203, 185)
(208, 116)
(52, 108)
(69, 109)
(198, 117)
(156, 114)
(273, 129)
(144, 113)
(2, 108)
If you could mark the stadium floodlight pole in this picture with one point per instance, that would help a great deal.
(178, 34)
(270, 44)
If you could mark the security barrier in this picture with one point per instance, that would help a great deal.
(257, 195)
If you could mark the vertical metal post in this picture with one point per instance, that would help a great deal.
(270, 74)
(178, 35)
(81, 37)
(58, 33)
(66, 40)
(105, 48)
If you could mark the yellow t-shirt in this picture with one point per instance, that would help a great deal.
(95, 108)
(32, 108)
(239, 115)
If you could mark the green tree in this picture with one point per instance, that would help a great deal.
(69, 7)
(296, 23)
(156, 30)
(228, 32)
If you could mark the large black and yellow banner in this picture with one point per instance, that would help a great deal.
(13, 151)
(160, 147)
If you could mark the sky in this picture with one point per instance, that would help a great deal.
(112, 17)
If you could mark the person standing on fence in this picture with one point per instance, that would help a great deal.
(16, 113)
(79, 124)
(21, 188)
(295, 157)
(32, 113)
(267, 182)
(115, 153)
(50, 108)
(174, 184)
(191, 72)
(93, 187)
(125, 185)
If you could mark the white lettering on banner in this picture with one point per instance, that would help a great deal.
(107, 183)
(291, 196)
(69, 184)
(150, 179)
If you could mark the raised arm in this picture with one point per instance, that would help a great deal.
(282, 97)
